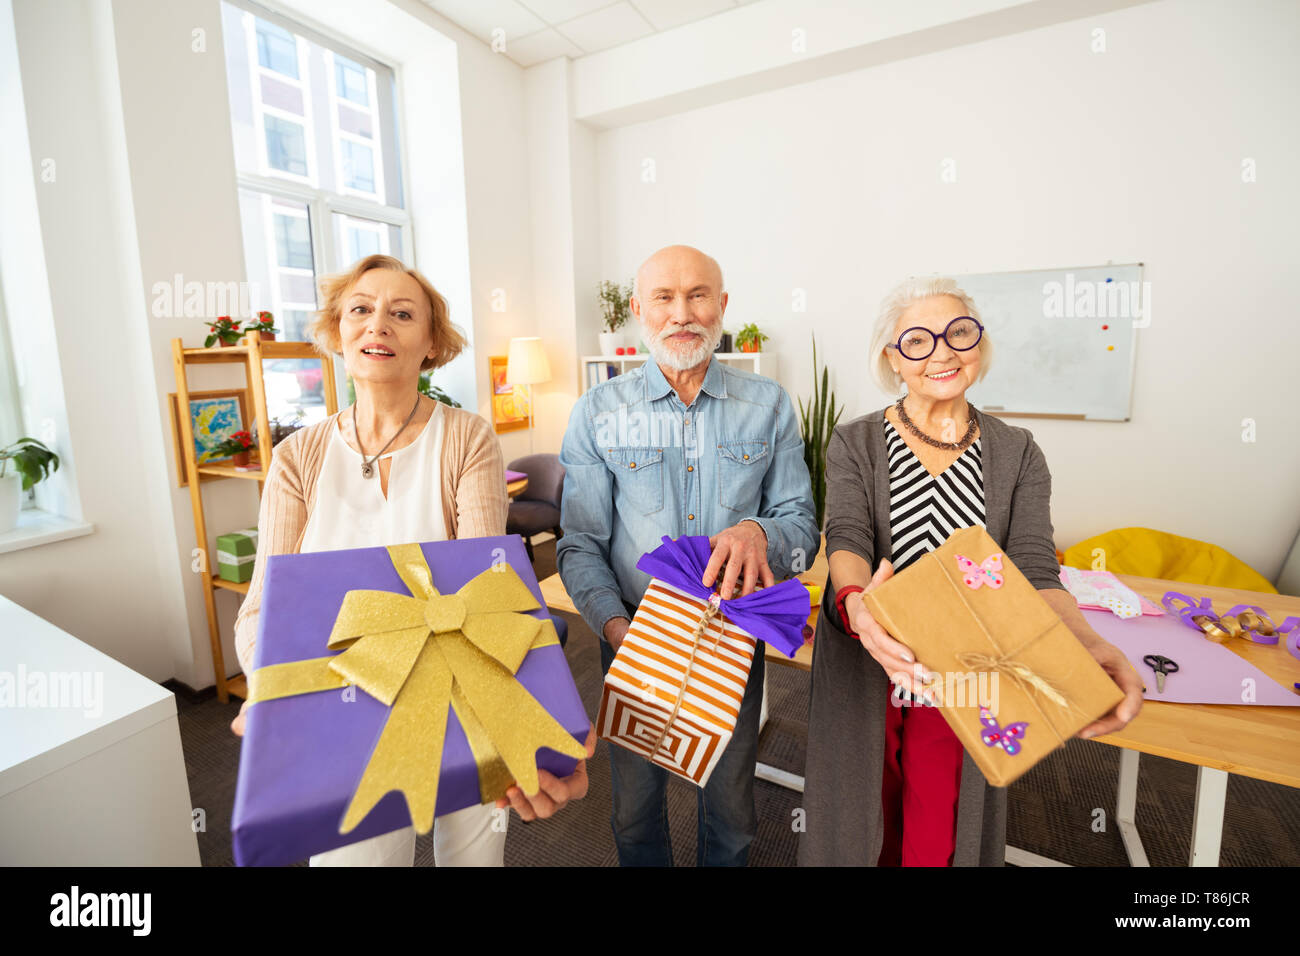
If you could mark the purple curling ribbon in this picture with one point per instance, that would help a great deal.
(775, 615)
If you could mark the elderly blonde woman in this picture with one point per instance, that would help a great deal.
(394, 467)
(888, 783)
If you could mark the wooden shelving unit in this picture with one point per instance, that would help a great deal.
(251, 355)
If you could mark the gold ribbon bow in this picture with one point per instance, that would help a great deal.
(421, 655)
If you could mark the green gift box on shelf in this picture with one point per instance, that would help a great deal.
(235, 554)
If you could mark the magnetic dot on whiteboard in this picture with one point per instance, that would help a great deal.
(1110, 348)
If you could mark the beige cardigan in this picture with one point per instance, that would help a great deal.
(474, 500)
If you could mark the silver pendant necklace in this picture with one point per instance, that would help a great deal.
(368, 467)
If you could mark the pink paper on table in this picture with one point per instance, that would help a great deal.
(1208, 673)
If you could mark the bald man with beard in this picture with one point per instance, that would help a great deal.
(683, 445)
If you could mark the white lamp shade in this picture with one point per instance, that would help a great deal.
(527, 364)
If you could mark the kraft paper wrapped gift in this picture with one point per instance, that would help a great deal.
(674, 690)
(1014, 682)
(236, 553)
(449, 685)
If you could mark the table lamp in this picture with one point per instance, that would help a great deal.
(527, 365)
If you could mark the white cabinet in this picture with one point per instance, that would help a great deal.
(91, 769)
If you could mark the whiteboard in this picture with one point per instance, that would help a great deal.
(1064, 340)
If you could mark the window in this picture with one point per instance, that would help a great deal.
(277, 49)
(11, 417)
(315, 137)
(351, 78)
(358, 166)
(286, 145)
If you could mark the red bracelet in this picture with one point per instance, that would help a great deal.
(840, 597)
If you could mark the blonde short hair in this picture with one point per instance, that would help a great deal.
(324, 328)
(892, 307)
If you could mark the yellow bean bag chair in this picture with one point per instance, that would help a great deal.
(1158, 554)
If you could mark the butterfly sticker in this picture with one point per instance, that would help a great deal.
(975, 575)
(1008, 738)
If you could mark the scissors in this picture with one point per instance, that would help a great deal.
(1162, 666)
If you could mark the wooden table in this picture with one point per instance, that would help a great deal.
(1253, 741)
(1250, 740)
(513, 488)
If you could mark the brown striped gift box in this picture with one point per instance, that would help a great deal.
(674, 690)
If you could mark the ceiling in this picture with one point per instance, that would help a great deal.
(539, 30)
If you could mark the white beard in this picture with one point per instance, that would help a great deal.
(680, 360)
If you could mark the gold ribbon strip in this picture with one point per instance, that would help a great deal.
(697, 635)
(423, 656)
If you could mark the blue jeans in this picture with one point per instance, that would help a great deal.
(727, 820)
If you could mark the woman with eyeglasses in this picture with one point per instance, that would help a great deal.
(887, 781)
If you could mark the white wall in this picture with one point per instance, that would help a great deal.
(119, 588)
(1064, 157)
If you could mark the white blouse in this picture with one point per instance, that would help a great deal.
(352, 512)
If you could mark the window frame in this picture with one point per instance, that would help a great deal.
(322, 204)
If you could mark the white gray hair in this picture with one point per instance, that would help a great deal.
(892, 307)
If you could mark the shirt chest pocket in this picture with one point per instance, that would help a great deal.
(741, 468)
(638, 478)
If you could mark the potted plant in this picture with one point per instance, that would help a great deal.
(265, 324)
(749, 339)
(427, 387)
(32, 462)
(614, 312)
(237, 445)
(224, 330)
(816, 422)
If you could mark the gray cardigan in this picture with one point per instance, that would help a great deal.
(846, 719)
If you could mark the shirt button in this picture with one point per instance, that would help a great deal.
(746, 457)
(690, 517)
(632, 465)
(686, 422)
(690, 467)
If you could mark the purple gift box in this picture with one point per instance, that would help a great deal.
(303, 756)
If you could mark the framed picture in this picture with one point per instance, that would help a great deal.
(509, 402)
(213, 416)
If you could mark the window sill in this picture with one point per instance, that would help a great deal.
(36, 527)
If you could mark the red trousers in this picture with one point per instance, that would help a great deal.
(919, 788)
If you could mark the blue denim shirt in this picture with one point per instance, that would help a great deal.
(639, 464)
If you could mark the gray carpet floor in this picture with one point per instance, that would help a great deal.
(1053, 809)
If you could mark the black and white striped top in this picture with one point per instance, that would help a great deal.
(925, 509)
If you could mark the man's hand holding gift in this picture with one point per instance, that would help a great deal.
(742, 548)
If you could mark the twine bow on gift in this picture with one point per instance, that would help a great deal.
(1032, 683)
(1029, 681)
(701, 626)
(775, 614)
(422, 655)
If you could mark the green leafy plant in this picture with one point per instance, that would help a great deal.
(224, 329)
(614, 308)
(817, 420)
(750, 335)
(265, 324)
(234, 443)
(427, 387)
(31, 459)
